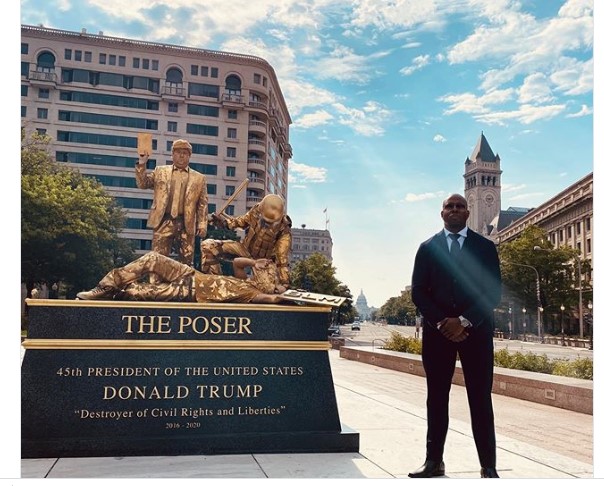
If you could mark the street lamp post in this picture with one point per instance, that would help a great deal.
(590, 306)
(562, 323)
(524, 323)
(539, 307)
(578, 259)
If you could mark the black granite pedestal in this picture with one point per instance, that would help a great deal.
(141, 378)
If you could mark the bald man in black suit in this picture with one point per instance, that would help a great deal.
(456, 284)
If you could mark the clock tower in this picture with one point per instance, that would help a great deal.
(482, 178)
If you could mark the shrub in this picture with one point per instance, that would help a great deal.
(579, 368)
(398, 342)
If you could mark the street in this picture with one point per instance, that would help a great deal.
(375, 334)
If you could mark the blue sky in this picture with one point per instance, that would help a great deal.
(388, 98)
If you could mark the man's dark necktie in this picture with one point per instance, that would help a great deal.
(455, 246)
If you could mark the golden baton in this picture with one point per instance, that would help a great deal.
(241, 187)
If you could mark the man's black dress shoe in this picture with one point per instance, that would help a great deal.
(430, 469)
(488, 472)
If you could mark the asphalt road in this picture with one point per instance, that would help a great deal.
(375, 334)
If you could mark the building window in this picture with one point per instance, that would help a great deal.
(230, 210)
(78, 55)
(87, 56)
(136, 62)
(232, 115)
(588, 224)
(569, 232)
(588, 242)
(172, 126)
(145, 63)
(24, 48)
(204, 71)
(23, 111)
(229, 190)
(231, 152)
(264, 81)
(68, 54)
(257, 79)
(121, 61)
(579, 246)
(211, 189)
(24, 89)
(112, 60)
(42, 113)
(230, 171)
(155, 65)
(194, 70)
(102, 58)
(41, 131)
(214, 72)
(231, 133)
(44, 93)
(173, 107)
(578, 228)
(561, 236)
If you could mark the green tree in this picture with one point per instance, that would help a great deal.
(69, 224)
(399, 310)
(556, 268)
(317, 274)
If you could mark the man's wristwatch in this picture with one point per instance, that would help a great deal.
(465, 322)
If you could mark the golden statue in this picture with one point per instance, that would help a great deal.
(176, 281)
(267, 235)
(180, 202)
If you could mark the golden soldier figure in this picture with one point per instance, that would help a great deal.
(180, 202)
(267, 235)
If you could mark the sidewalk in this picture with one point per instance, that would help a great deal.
(387, 408)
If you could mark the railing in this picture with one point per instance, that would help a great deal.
(257, 142)
(256, 161)
(257, 123)
(233, 98)
(253, 199)
(50, 76)
(258, 104)
(173, 90)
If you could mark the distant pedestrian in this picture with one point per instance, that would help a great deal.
(456, 284)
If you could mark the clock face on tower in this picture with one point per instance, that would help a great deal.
(489, 199)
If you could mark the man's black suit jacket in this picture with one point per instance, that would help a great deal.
(469, 287)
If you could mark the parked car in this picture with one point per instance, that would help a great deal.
(333, 330)
(356, 326)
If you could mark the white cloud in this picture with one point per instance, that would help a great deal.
(309, 120)
(411, 197)
(470, 103)
(535, 89)
(584, 111)
(367, 121)
(302, 173)
(512, 187)
(411, 45)
(385, 14)
(418, 63)
(525, 114)
(439, 138)
(344, 65)
(524, 45)
(573, 77)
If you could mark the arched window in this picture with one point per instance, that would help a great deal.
(173, 77)
(233, 84)
(46, 62)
